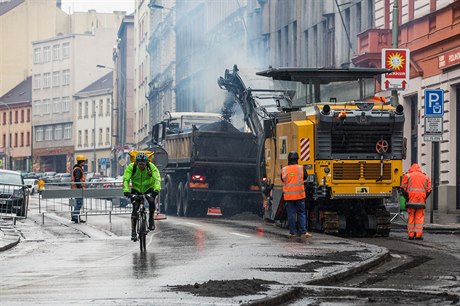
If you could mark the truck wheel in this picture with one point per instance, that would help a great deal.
(179, 199)
(169, 195)
(186, 202)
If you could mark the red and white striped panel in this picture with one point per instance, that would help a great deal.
(305, 149)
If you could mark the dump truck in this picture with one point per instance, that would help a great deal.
(211, 168)
(352, 150)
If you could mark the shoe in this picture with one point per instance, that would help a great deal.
(291, 236)
(151, 225)
(305, 235)
(134, 236)
(418, 238)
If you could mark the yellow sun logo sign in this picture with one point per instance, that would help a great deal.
(395, 61)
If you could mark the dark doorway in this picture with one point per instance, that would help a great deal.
(413, 129)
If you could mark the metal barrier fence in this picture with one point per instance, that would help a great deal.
(14, 200)
(99, 198)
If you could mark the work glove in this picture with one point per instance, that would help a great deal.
(128, 195)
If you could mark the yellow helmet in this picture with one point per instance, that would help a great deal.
(81, 158)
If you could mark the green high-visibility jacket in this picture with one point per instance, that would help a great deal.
(142, 180)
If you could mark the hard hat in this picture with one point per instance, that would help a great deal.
(293, 156)
(81, 158)
(141, 157)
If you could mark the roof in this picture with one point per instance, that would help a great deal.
(22, 93)
(5, 7)
(322, 75)
(104, 83)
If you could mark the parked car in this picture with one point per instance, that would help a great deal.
(14, 195)
(33, 183)
(49, 177)
(61, 178)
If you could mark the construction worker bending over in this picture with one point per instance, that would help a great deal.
(145, 179)
(293, 176)
(416, 187)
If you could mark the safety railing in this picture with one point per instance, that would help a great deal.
(99, 198)
(14, 201)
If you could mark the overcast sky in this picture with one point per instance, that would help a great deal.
(101, 6)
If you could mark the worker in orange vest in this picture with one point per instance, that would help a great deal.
(293, 176)
(416, 187)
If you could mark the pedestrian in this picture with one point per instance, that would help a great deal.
(141, 177)
(416, 187)
(293, 176)
(78, 182)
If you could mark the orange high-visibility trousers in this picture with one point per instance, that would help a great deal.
(415, 222)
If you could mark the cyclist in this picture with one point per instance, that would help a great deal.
(145, 179)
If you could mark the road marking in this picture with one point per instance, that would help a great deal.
(193, 224)
(396, 255)
(238, 234)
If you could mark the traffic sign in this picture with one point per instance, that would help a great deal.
(434, 102)
(399, 61)
(433, 128)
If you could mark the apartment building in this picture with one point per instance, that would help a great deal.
(63, 65)
(93, 124)
(15, 127)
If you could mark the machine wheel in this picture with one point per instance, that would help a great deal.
(169, 197)
(331, 222)
(383, 218)
(179, 199)
(186, 202)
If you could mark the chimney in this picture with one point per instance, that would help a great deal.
(59, 4)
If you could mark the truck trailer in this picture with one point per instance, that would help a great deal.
(211, 169)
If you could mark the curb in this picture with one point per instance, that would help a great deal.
(11, 236)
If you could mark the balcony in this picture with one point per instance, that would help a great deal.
(370, 45)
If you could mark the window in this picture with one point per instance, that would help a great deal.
(46, 106)
(100, 137)
(101, 107)
(58, 132)
(28, 115)
(93, 108)
(93, 138)
(68, 131)
(107, 112)
(22, 115)
(11, 117)
(47, 54)
(80, 110)
(37, 55)
(65, 50)
(66, 77)
(37, 108)
(86, 109)
(46, 80)
(16, 116)
(49, 133)
(86, 138)
(107, 136)
(56, 105)
(15, 140)
(55, 52)
(65, 104)
(79, 139)
(39, 134)
(4, 141)
(37, 81)
(22, 139)
(56, 78)
(28, 139)
(4, 118)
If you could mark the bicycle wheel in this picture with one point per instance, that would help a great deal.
(142, 232)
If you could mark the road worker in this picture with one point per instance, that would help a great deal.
(78, 179)
(416, 187)
(293, 176)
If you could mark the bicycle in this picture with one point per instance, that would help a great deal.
(142, 227)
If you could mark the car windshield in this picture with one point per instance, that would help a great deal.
(10, 178)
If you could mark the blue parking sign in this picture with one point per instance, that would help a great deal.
(434, 102)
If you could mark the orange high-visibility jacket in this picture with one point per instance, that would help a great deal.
(293, 177)
(78, 177)
(417, 185)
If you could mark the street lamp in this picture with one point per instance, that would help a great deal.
(8, 137)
